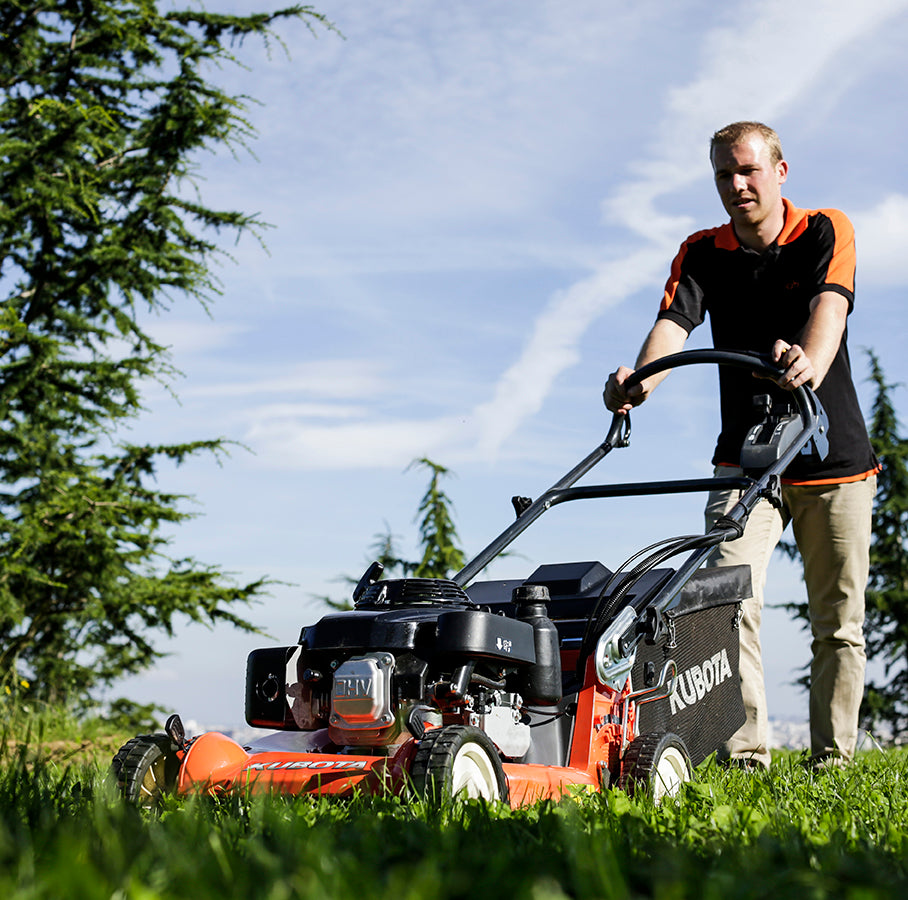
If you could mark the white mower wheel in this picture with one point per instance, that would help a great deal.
(458, 761)
(658, 762)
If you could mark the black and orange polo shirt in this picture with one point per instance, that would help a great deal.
(754, 299)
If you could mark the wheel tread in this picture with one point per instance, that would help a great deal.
(434, 760)
(640, 760)
(133, 762)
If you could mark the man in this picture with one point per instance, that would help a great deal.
(780, 280)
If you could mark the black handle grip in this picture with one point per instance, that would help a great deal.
(755, 362)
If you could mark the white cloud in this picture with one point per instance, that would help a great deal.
(393, 444)
(881, 238)
(809, 36)
(456, 141)
(333, 378)
(290, 412)
(435, 133)
(189, 337)
(742, 76)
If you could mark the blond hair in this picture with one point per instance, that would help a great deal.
(738, 131)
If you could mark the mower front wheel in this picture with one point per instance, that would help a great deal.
(658, 762)
(145, 770)
(457, 761)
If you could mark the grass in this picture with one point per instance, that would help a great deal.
(786, 833)
(56, 735)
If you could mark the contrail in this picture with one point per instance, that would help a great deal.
(759, 66)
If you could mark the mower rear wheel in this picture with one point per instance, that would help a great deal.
(145, 769)
(658, 762)
(458, 761)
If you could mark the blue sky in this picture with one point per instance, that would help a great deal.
(475, 206)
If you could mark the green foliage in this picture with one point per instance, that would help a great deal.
(441, 555)
(886, 626)
(788, 833)
(105, 107)
(32, 732)
(125, 715)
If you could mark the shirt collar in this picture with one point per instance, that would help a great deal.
(793, 226)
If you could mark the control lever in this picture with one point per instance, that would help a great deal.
(768, 440)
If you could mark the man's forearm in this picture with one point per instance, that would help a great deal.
(823, 333)
(808, 362)
(665, 337)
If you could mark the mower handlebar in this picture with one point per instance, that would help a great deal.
(755, 362)
(619, 436)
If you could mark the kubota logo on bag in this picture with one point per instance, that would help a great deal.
(696, 682)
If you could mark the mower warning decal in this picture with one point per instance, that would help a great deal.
(307, 764)
(696, 682)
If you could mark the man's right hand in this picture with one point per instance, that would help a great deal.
(665, 337)
(618, 398)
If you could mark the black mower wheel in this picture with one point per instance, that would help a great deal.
(657, 762)
(457, 761)
(145, 770)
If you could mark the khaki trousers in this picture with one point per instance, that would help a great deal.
(831, 525)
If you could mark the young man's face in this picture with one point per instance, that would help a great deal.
(749, 185)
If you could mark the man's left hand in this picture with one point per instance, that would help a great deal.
(799, 370)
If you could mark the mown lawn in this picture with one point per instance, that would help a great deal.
(788, 833)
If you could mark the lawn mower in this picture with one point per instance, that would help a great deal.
(575, 678)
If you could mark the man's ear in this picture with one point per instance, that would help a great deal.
(782, 171)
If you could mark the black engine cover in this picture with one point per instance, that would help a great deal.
(476, 633)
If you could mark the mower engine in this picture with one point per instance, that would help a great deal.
(412, 653)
